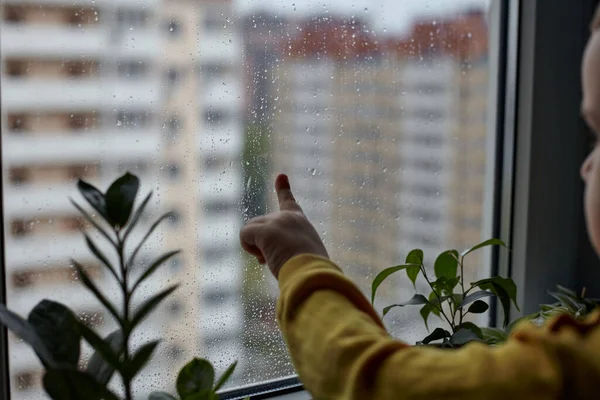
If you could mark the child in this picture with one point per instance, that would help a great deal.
(341, 350)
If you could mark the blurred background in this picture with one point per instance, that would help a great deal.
(377, 110)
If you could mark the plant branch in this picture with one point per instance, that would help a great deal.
(126, 300)
(440, 308)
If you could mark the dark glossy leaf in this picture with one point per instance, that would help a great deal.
(58, 328)
(154, 266)
(136, 216)
(63, 384)
(100, 256)
(119, 199)
(141, 358)
(87, 281)
(91, 220)
(160, 396)
(493, 335)
(463, 336)
(446, 265)
(415, 300)
(506, 283)
(105, 359)
(27, 333)
(435, 301)
(94, 197)
(415, 257)
(141, 244)
(425, 311)
(223, 379)
(147, 306)
(472, 327)
(474, 296)
(382, 276)
(437, 334)
(490, 242)
(478, 307)
(196, 376)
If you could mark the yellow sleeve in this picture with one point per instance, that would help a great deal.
(341, 350)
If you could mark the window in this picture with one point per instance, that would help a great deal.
(206, 102)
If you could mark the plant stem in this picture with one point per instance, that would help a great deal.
(440, 308)
(126, 301)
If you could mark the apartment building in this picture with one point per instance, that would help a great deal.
(90, 90)
(384, 141)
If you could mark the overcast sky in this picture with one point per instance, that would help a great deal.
(389, 15)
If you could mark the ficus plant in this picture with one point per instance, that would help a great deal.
(451, 298)
(55, 332)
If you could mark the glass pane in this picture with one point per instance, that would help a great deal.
(377, 110)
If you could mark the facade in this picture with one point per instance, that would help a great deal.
(91, 91)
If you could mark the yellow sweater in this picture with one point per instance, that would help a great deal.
(341, 350)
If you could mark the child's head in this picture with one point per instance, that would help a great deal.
(590, 170)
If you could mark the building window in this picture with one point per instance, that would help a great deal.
(18, 175)
(20, 228)
(17, 122)
(16, 68)
(26, 380)
(173, 28)
(173, 76)
(214, 117)
(132, 69)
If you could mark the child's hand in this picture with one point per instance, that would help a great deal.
(279, 236)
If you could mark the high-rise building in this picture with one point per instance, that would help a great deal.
(91, 90)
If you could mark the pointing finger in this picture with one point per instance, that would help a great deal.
(286, 199)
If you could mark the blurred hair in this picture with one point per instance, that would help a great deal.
(596, 21)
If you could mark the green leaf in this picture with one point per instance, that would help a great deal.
(463, 336)
(478, 307)
(91, 220)
(489, 242)
(196, 376)
(147, 306)
(62, 384)
(425, 311)
(434, 300)
(152, 228)
(566, 301)
(474, 296)
(472, 327)
(94, 197)
(27, 333)
(415, 257)
(87, 281)
(446, 265)
(160, 396)
(119, 199)
(493, 335)
(105, 359)
(504, 288)
(100, 256)
(141, 358)
(226, 375)
(382, 276)
(136, 216)
(437, 334)
(154, 266)
(58, 328)
(529, 317)
(415, 300)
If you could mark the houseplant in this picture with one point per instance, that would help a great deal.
(451, 298)
(55, 333)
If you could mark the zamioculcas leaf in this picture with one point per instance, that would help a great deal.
(446, 265)
(478, 307)
(87, 281)
(136, 216)
(91, 220)
(100, 256)
(437, 334)
(58, 328)
(140, 358)
(147, 306)
(490, 242)
(196, 376)
(154, 266)
(141, 244)
(94, 197)
(25, 331)
(415, 300)
(223, 379)
(160, 396)
(63, 384)
(415, 257)
(475, 296)
(119, 199)
(382, 277)
(103, 362)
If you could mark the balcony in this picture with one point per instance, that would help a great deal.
(226, 139)
(216, 186)
(78, 95)
(216, 47)
(219, 96)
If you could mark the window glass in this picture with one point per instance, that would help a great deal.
(377, 110)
